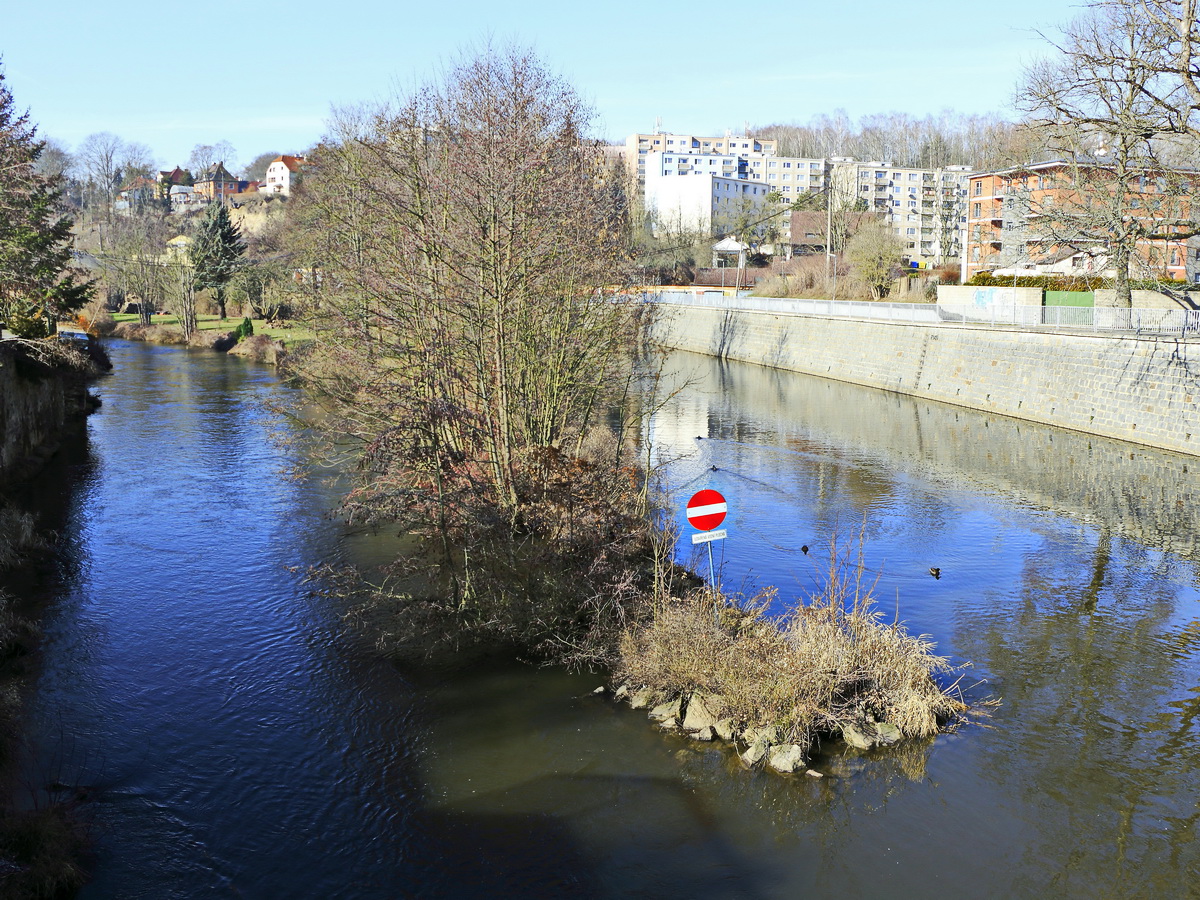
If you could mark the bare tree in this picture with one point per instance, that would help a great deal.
(134, 261)
(875, 254)
(1104, 104)
(99, 159)
(204, 156)
(468, 240)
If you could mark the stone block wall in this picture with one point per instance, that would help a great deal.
(1144, 390)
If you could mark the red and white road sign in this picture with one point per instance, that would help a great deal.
(706, 510)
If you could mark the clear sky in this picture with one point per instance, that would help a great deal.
(265, 75)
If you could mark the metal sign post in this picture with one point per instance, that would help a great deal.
(706, 510)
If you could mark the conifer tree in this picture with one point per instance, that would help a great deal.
(37, 281)
(216, 252)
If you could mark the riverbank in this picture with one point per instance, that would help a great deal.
(1144, 389)
(268, 343)
(43, 403)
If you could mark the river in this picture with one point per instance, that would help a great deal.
(239, 742)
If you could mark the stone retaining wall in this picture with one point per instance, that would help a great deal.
(1145, 390)
(38, 404)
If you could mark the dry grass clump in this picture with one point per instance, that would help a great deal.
(828, 665)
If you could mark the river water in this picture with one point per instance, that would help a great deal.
(238, 742)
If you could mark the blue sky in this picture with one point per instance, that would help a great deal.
(148, 73)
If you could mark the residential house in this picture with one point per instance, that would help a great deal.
(281, 175)
(184, 196)
(215, 181)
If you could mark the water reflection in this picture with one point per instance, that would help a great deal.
(1069, 582)
(248, 747)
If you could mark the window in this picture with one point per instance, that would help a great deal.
(787, 165)
(910, 231)
(913, 176)
(978, 188)
(670, 142)
(772, 164)
(975, 210)
(786, 189)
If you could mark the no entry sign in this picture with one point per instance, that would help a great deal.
(706, 510)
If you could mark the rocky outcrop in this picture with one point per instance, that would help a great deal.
(702, 717)
(259, 348)
(43, 394)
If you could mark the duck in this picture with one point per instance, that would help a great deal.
(935, 572)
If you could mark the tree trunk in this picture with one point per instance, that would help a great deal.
(1124, 298)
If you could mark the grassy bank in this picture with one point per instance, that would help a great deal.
(288, 334)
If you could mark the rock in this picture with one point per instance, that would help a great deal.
(887, 734)
(641, 699)
(621, 692)
(259, 348)
(699, 712)
(786, 758)
(724, 729)
(853, 736)
(770, 734)
(704, 734)
(600, 690)
(754, 754)
(813, 773)
(671, 723)
(668, 710)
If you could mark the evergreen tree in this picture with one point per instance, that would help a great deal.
(37, 281)
(216, 252)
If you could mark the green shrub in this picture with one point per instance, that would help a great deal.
(32, 327)
(245, 330)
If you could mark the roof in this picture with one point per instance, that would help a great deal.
(729, 245)
(293, 163)
(216, 172)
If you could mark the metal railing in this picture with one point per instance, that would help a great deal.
(1182, 322)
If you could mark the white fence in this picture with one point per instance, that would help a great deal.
(1076, 318)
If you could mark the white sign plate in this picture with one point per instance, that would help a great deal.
(705, 536)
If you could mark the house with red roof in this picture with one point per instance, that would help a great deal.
(281, 175)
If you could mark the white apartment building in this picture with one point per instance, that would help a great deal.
(699, 201)
(674, 163)
(790, 175)
(926, 208)
(637, 146)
